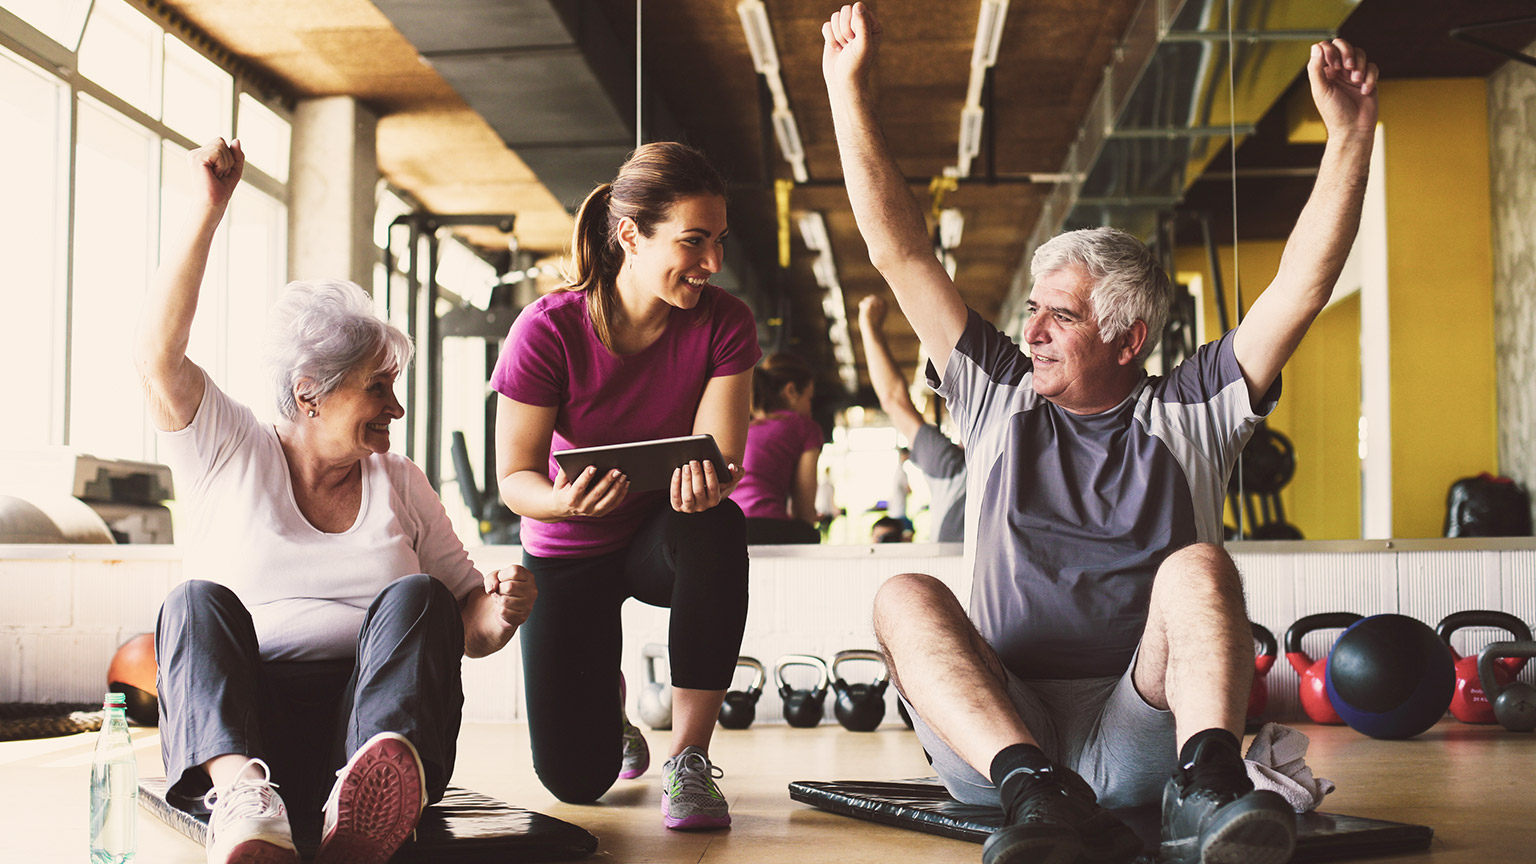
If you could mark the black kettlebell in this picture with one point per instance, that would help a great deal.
(802, 708)
(1514, 704)
(860, 707)
(740, 706)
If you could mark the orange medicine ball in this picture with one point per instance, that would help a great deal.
(132, 673)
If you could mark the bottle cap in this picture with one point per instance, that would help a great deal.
(114, 700)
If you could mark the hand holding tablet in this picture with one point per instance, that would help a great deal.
(648, 465)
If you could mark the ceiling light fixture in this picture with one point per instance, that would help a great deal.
(788, 133)
(754, 22)
(813, 230)
(951, 226)
(765, 59)
(989, 36)
(971, 117)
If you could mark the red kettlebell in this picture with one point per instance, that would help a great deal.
(1314, 673)
(1263, 661)
(1470, 703)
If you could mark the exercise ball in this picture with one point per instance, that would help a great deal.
(132, 673)
(1389, 676)
(51, 518)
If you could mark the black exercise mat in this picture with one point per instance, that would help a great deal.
(925, 805)
(463, 827)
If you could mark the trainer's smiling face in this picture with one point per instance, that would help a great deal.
(1074, 368)
(675, 263)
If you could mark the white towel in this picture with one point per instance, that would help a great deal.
(1276, 760)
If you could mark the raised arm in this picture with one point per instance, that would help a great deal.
(890, 386)
(1344, 88)
(888, 216)
(173, 384)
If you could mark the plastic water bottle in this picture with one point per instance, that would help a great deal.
(114, 788)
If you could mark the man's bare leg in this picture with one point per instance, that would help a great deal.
(1196, 656)
(945, 669)
(1196, 660)
(957, 684)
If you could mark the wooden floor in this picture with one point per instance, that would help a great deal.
(1476, 786)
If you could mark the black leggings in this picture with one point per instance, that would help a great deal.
(694, 563)
(762, 531)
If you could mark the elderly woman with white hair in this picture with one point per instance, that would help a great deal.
(329, 601)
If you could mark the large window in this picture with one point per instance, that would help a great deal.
(36, 108)
(103, 133)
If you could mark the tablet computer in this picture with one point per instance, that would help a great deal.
(648, 464)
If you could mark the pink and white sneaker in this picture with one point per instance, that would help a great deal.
(375, 804)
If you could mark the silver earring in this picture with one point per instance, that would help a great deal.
(311, 412)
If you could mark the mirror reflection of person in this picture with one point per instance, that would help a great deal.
(940, 459)
(888, 530)
(330, 601)
(638, 346)
(896, 501)
(783, 446)
(826, 502)
(1107, 657)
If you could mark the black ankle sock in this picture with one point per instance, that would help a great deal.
(1215, 759)
(1014, 757)
(1219, 744)
(1015, 769)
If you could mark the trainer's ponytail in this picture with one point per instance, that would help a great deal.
(595, 261)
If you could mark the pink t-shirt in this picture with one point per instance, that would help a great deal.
(774, 445)
(553, 357)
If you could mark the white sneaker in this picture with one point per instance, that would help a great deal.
(249, 824)
(375, 804)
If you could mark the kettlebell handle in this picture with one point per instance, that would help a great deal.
(863, 654)
(1322, 621)
(813, 661)
(759, 677)
(1268, 647)
(1481, 618)
(1494, 651)
(651, 652)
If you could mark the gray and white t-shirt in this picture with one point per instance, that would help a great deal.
(1069, 516)
(943, 466)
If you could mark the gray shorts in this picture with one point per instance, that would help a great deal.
(1099, 727)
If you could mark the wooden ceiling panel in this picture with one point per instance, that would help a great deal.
(696, 61)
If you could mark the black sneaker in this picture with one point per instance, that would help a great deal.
(1056, 819)
(1216, 821)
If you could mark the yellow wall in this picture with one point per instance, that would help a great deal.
(1440, 277)
(1322, 390)
(1319, 407)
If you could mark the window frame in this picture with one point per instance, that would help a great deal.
(52, 59)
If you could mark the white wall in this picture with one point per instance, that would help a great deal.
(66, 609)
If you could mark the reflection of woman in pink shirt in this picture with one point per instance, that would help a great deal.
(783, 445)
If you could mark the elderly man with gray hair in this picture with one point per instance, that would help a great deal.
(1106, 658)
(317, 641)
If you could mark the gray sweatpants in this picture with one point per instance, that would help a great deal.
(306, 718)
(1099, 727)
